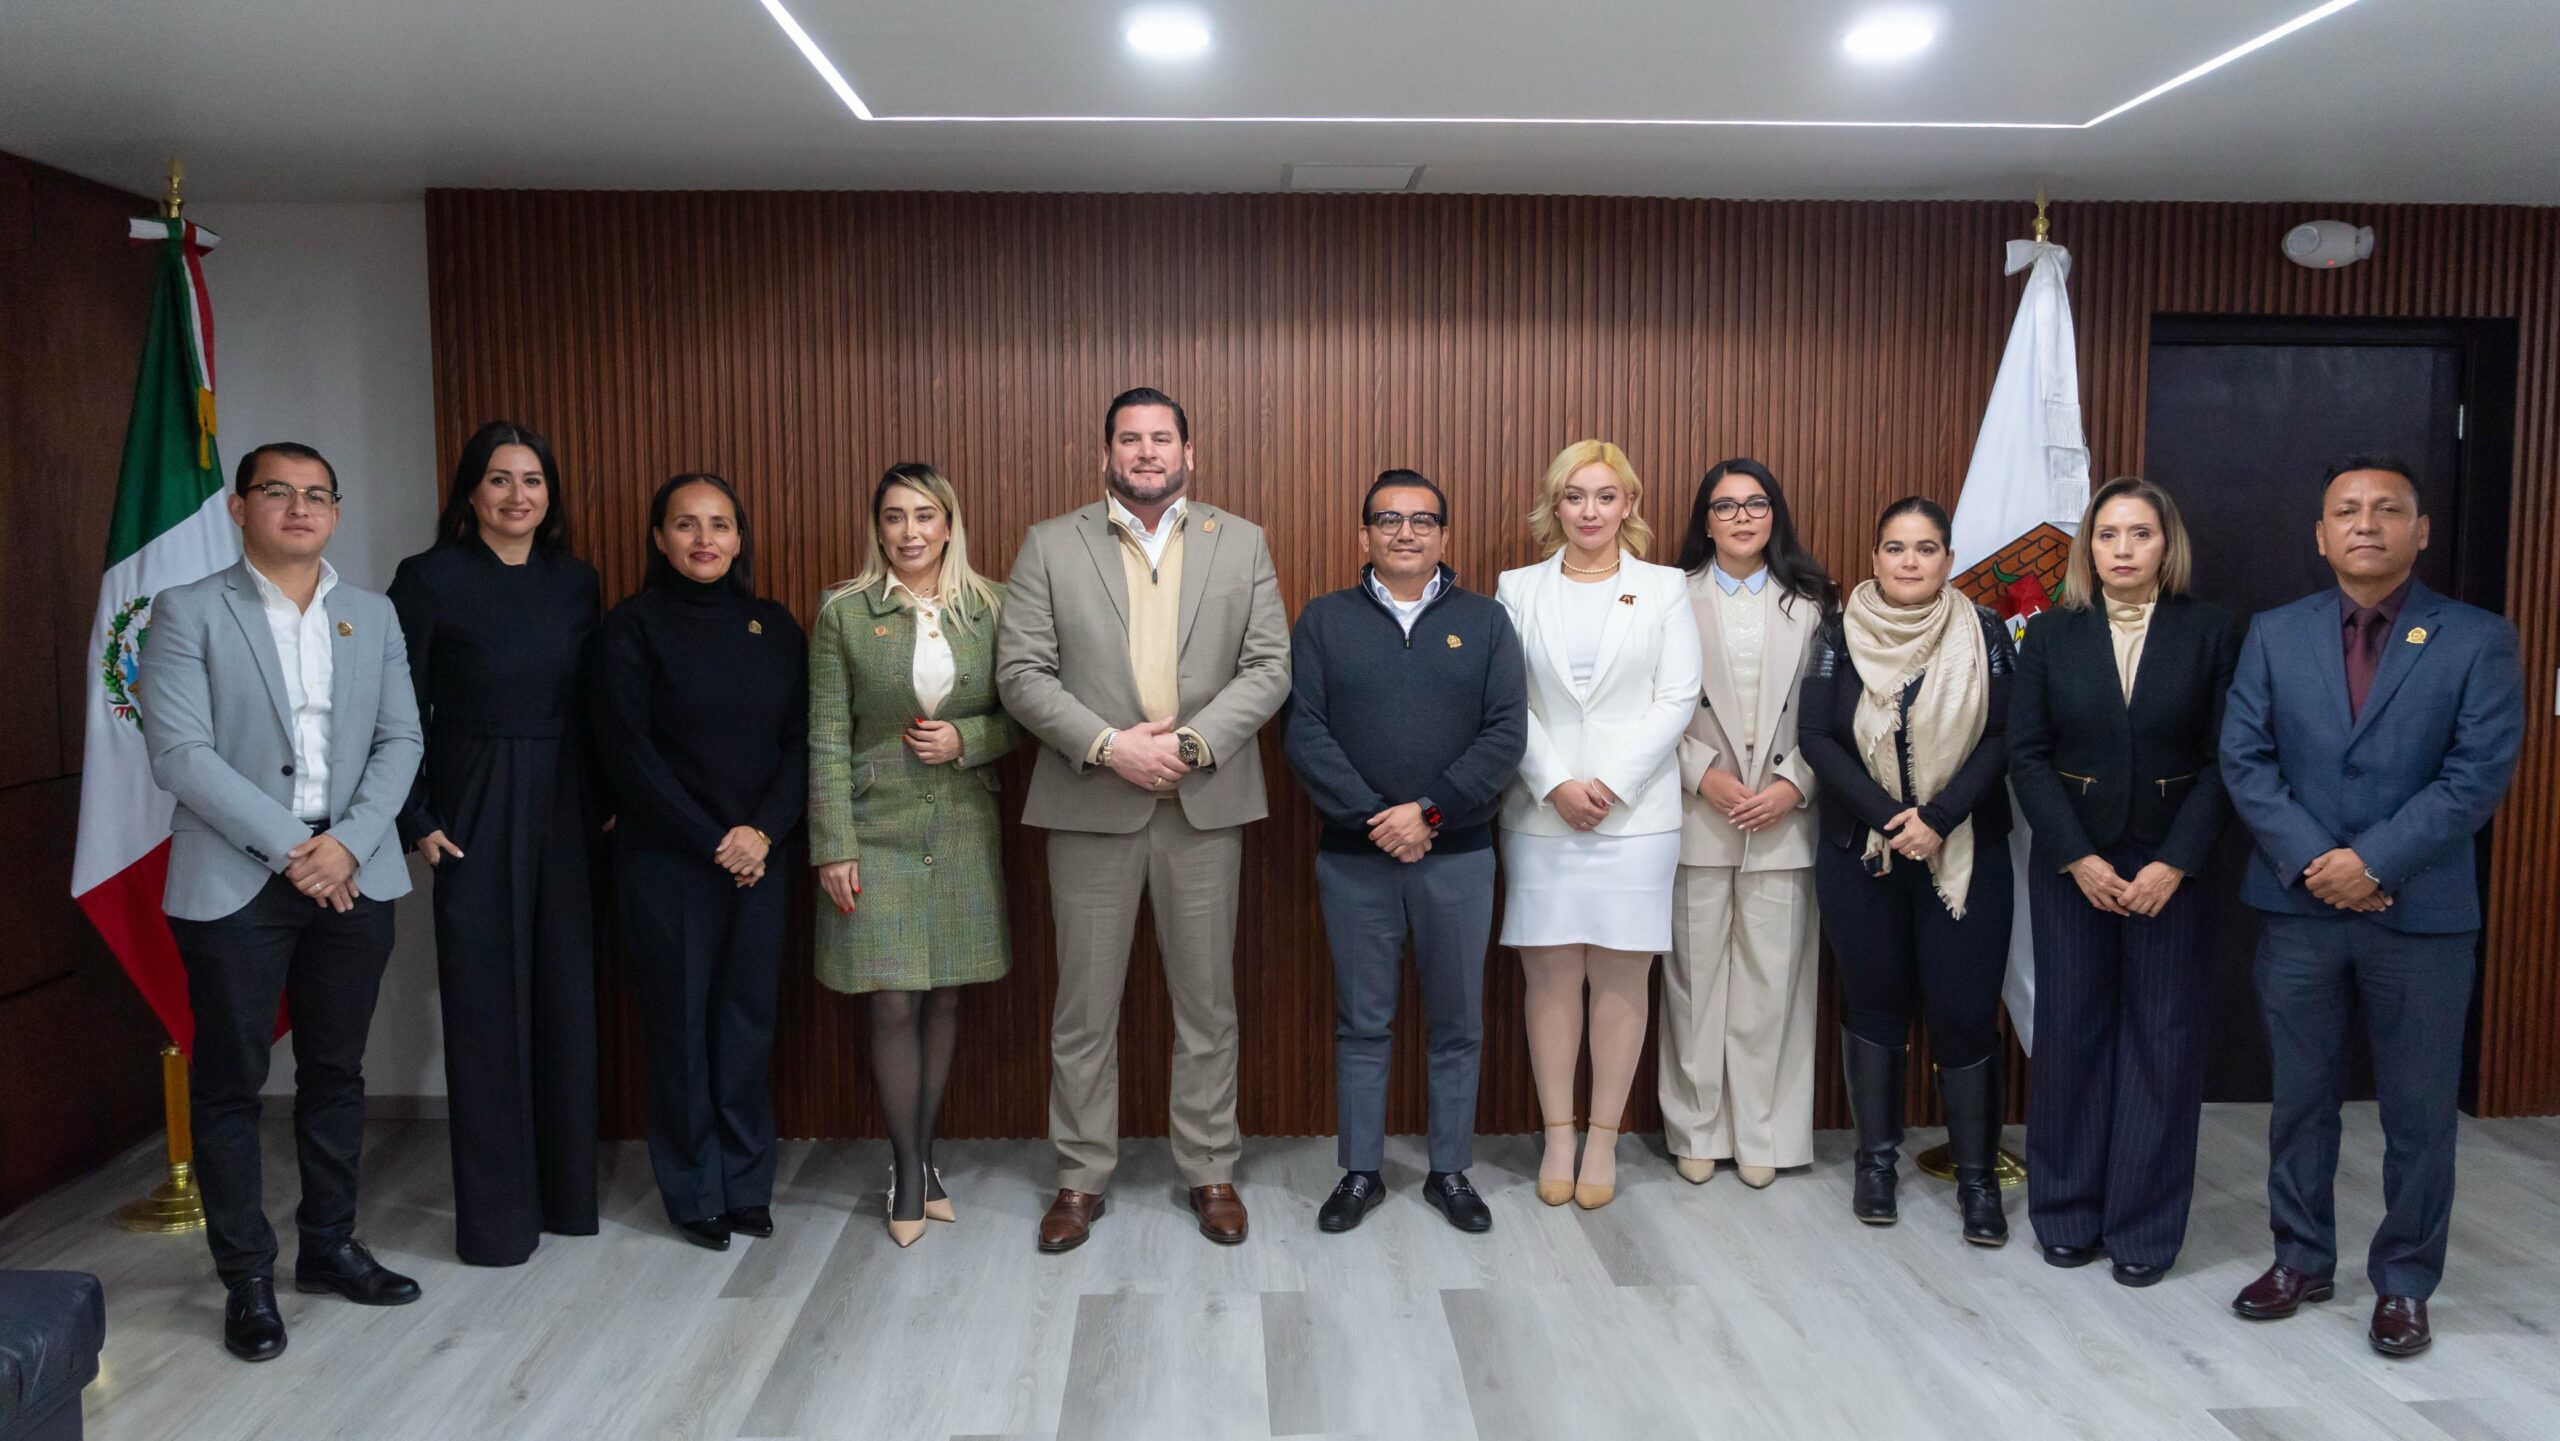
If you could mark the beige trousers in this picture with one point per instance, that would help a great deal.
(1188, 876)
(1737, 1016)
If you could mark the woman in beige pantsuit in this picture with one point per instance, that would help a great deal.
(903, 723)
(1738, 995)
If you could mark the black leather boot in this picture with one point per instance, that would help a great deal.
(1972, 1096)
(1874, 1074)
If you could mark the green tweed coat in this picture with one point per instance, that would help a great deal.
(932, 908)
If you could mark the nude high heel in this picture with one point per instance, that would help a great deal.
(1590, 1197)
(938, 1208)
(905, 1233)
(1555, 1192)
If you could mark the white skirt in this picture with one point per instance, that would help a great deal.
(1582, 889)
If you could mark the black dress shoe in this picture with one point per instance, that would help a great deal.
(2399, 1326)
(2136, 1273)
(711, 1233)
(252, 1327)
(1352, 1201)
(2069, 1256)
(1451, 1196)
(751, 1220)
(347, 1269)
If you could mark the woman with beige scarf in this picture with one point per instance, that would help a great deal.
(1904, 721)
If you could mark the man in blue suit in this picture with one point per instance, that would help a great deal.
(2371, 731)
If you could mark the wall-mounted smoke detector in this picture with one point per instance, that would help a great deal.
(2327, 244)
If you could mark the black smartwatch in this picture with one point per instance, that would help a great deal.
(1430, 812)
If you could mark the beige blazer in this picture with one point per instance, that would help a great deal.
(1706, 837)
(1620, 729)
(1062, 667)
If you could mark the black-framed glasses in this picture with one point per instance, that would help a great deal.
(1757, 507)
(1422, 522)
(318, 497)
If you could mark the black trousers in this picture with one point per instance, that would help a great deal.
(515, 955)
(1901, 953)
(2113, 1100)
(706, 961)
(239, 969)
(2416, 995)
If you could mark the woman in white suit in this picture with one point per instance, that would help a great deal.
(1591, 828)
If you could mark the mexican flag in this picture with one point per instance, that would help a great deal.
(171, 526)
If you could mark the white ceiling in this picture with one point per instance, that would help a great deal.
(2386, 100)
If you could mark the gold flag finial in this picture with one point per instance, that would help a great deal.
(2044, 227)
(170, 204)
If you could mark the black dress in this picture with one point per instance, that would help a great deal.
(703, 726)
(501, 654)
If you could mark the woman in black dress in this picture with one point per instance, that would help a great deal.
(703, 725)
(500, 620)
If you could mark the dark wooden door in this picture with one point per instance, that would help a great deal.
(2240, 431)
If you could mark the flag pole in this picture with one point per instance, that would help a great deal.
(175, 1205)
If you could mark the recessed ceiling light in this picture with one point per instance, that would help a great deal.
(1161, 35)
(1889, 37)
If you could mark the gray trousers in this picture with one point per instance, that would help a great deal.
(1370, 903)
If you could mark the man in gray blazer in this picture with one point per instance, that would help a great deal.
(277, 707)
(1144, 643)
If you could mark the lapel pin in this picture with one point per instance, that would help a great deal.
(2417, 635)
(1455, 643)
(1626, 600)
(345, 629)
(879, 630)
(755, 627)
(1209, 524)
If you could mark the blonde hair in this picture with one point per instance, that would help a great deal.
(970, 598)
(2080, 587)
(1634, 536)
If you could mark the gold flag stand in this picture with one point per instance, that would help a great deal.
(175, 1206)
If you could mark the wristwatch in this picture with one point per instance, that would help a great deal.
(1430, 812)
(1102, 757)
(1189, 750)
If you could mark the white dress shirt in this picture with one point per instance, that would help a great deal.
(304, 652)
(1151, 543)
(1406, 612)
(934, 668)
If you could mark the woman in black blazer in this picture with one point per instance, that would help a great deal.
(1903, 720)
(2113, 733)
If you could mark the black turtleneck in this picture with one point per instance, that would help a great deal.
(703, 716)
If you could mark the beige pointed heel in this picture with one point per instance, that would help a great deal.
(905, 1233)
(1555, 1192)
(938, 1208)
(1590, 1197)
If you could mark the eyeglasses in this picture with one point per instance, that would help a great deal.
(276, 492)
(1757, 507)
(1422, 522)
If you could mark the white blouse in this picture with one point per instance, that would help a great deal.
(1586, 615)
(934, 668)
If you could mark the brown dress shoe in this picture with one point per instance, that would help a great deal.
(1221, 1213)
(1070, 1220)
(2399, 1326)
(2281, 1292)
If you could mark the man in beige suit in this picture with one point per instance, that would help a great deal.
(1738, 996)
(1143, 641)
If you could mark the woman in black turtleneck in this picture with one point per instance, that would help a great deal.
(703, 728)
(501, 624)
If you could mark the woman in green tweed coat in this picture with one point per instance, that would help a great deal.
(903, 725)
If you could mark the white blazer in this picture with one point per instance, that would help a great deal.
(1624, 729)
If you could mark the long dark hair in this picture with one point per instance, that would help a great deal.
(1798, 574)
(661, 571)
(461, 522)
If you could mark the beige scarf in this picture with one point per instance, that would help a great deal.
(1941, 642)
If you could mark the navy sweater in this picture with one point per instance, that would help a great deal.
(1377, 719)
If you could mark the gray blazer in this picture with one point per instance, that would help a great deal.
(1062, 666)
(215, 719)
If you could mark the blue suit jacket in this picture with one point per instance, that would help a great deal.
(2407, 783)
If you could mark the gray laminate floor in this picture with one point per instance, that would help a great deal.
(1677, 1311)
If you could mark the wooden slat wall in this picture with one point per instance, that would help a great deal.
(800, 342)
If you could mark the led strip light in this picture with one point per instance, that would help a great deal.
(844, 90)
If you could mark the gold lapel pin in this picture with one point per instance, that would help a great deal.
(1210, 524)
(345, 629)
(879, 630)
(1455, 643)
(1626, 600)
(2417, 635)
(755, 627)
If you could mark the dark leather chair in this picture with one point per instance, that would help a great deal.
(52, 1326)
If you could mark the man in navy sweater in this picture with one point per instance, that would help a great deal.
(1408, 713)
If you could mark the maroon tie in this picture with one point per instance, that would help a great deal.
(2364, 656)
